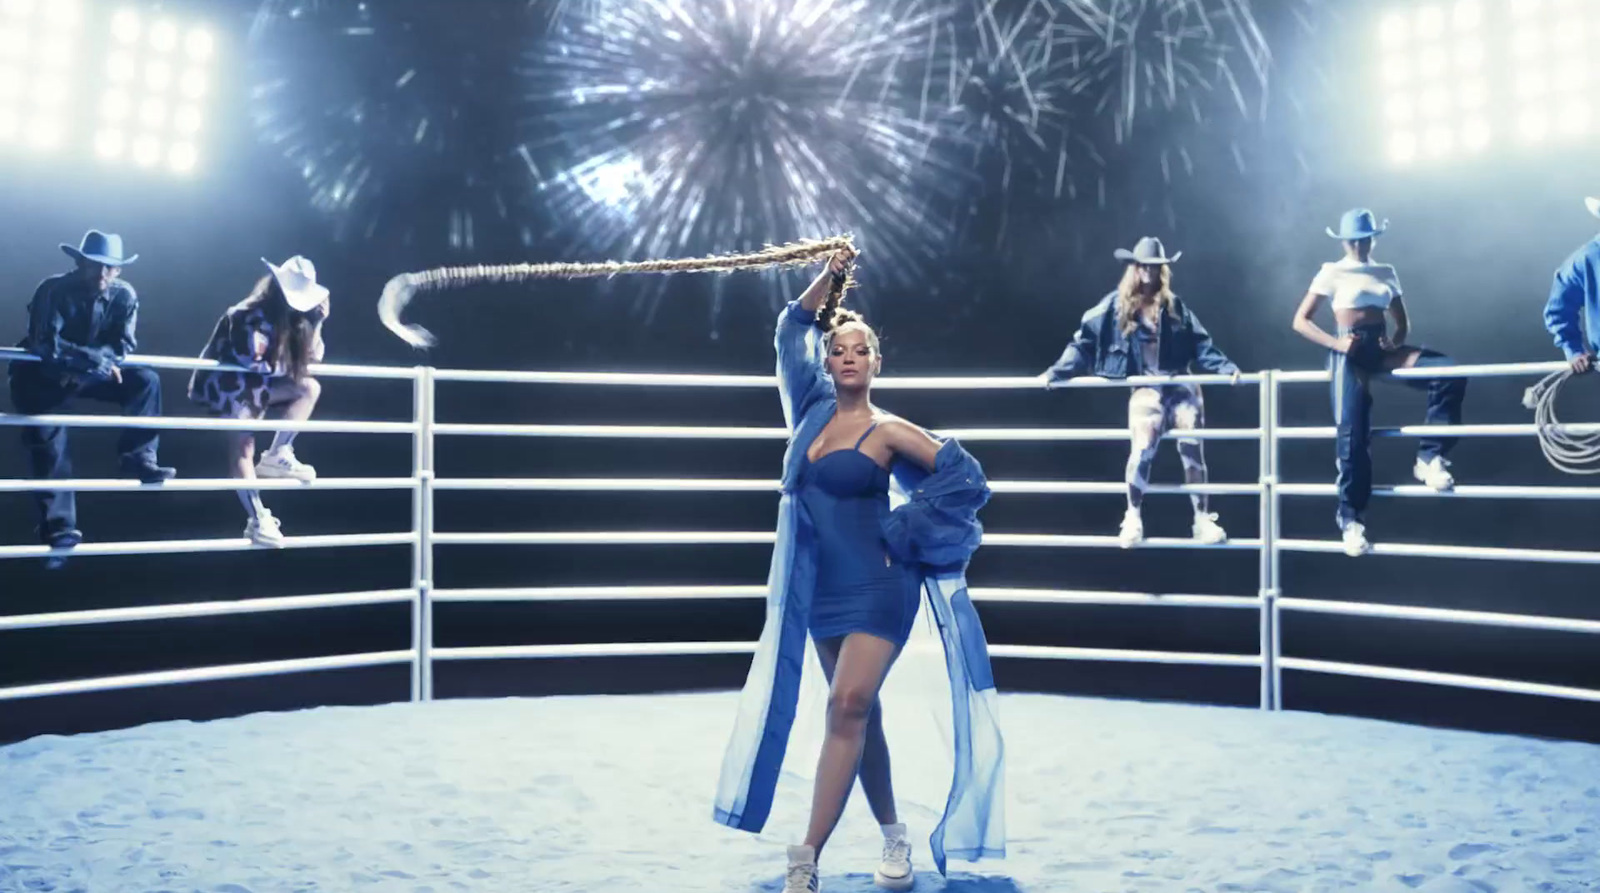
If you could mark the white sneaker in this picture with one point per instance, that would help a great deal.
(263, 530)
(1132, 533)
(802, 874)
(894, 871)
(1355, 539)
(281, 463)
(1434, 474)
(1207, 531)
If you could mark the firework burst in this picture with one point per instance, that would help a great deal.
(659, 128)
(379, 107)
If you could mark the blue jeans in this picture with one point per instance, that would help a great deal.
(1352, 413)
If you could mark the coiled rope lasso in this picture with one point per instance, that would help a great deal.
(399, 291)
(1571, 453)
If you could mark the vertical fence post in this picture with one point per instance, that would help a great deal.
(418, 545)
(1268, 569)
(425, 474)
(1274, 612)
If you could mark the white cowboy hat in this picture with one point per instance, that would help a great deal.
(1358, 223)
(1594, 205)
(298, 279)
(1147, 250)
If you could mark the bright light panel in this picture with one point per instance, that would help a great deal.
(159, 76)
(1456, 76)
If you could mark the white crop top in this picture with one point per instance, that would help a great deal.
(1354, 285)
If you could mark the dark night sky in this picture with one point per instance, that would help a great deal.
(1475, 242)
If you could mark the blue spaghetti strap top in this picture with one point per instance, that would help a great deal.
(860, 588)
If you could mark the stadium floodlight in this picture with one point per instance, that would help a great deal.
(199, 45)
(126, 28)
(163, 37)
(146, 150)
(182, 157)
(157, 74)
(110, 144)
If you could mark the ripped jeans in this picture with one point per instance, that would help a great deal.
(1152, 412)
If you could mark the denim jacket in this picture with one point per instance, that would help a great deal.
(1100, 348)
(1574, 304)
(77, 330)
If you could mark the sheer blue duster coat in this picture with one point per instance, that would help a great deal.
(936, 528)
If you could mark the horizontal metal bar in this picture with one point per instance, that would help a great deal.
(206, 674)
(1092, 597)
(1441, 615)
(205, 609)
(642, 431)
(607, 538)
(171, 547)
(196, 423)
(1326, 433)
(1461, 491)
(332, 370)
(596, 593)
(208, 484)
(622, 649)
(991, 594)
(738, 537)
(1544, 556)
(1431, 678)
(705, 485)
(1483, 370)
(729, 485)
(753, 433)
(650, 379)
(1052, 652)
(1054, 540)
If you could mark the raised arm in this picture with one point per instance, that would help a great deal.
(1305, 323)
(801, 379)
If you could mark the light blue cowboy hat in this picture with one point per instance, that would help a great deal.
(1358, 223)
(1594, 205)
(100, 248)
(1149, 250)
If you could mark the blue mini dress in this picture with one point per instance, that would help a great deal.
(860, 588)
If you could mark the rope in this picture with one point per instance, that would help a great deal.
(1570, 453)
(399, 291)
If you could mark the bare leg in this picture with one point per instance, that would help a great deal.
(303, 397)
(876, 779)
(242, 465)
(863, 663)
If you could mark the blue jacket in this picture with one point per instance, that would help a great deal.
(936, 528)
(1100, 348)
(1574, 304)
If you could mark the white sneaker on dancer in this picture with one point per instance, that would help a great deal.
(1355, 539)
(802, 874)
(1434, 474)
(1132, 533)
(281, 463)
(263, 530)
(894, 871)
(1207, 531)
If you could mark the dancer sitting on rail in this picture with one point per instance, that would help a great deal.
(82, 325)
(1574, 305)
(1142, 328)
(276, 333)
(851, 573)
(1360, 291)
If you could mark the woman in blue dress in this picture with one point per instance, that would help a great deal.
(850, 573)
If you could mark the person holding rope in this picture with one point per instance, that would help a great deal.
(81, 326)
(1574, 306)
(847, 578)
(1142, 328)
(276, 334)
(851, 574)
(1361, 292)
